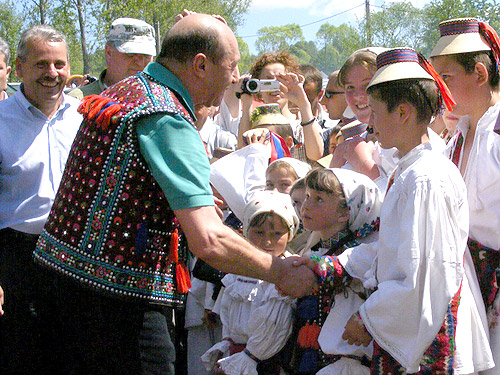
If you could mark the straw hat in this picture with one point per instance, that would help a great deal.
(268, 114)
(353, 129)
(396, 64)
(460, 35)
(405, 63)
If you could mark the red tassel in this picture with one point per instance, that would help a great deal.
(104, 118)
(445, 91)
(173, 255)
(182, 278)
(308, 336)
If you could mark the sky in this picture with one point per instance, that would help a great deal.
(310, 14)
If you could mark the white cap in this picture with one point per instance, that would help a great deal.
(130, 35)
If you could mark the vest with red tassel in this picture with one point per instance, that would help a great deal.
(111, 226)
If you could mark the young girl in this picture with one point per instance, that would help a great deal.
(281, 174)
(342, 208)
(256, 319)
(417, 268)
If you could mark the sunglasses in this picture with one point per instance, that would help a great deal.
(329, 94)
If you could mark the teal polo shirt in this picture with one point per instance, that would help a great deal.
(174, 150)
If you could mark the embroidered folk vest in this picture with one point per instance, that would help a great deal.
(111, 226)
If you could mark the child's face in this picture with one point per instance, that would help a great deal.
(386, 125)
(321, 212)
(357, 79)
(298, 196)
(461, 84)
(271, 236)
(280, 180)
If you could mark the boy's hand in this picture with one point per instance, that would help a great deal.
(355, 332)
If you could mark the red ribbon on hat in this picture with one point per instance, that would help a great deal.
(491, 37)
(443, 88)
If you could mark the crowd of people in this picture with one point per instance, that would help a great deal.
(166, 219)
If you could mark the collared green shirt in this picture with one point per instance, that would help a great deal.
(174, 150)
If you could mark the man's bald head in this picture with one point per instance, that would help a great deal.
(196, 33)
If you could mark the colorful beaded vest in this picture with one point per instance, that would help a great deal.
(111, 226)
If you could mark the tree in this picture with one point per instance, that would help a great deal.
(397, 25)
(335, 45)
(278, 38)
(11, 25)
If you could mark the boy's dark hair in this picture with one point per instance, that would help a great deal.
(469, 60)
(322, 179)
(423, 94)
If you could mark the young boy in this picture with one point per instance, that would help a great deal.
(417, 272)
(466, 56)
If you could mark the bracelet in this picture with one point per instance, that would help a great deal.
(308, 122)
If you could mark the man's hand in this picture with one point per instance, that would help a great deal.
(355, 332)
(295, 280)
(1, 301)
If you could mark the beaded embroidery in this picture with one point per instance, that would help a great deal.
(110, 226)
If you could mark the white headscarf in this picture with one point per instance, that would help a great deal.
(364, 200)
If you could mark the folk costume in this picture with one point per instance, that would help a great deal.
(112, 232)
(317, 340)
(418, 267)
(482, 172)
(256, 319)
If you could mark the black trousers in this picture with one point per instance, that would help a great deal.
(19, 335)
(77, 330)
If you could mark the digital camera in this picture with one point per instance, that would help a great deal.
(254, 86)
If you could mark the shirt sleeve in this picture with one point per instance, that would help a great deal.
(408, 308)
(177, 159)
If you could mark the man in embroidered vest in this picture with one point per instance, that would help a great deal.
(467, 57)
(37, 127)
(130, 46)
(136, 186)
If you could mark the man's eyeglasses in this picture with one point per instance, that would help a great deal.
(329, 94)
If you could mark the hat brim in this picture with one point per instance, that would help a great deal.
(141, 47)
(399, 71)
(459, 43)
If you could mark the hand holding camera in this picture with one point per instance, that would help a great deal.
(254, 86)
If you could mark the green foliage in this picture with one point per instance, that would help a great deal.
(278, 38)
(10, 26)
(397, 25)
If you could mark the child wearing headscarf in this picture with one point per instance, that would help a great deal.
(342, 209)
(256, 319)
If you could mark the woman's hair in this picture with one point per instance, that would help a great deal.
(366, 59)
(423, 94)
(322, 179)
(289, 61)
(278, 164)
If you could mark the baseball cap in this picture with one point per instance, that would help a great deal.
(131, 35)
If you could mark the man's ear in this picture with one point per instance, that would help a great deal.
(482, 76)
(7, 71)
(19, 69)
(199, 65)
